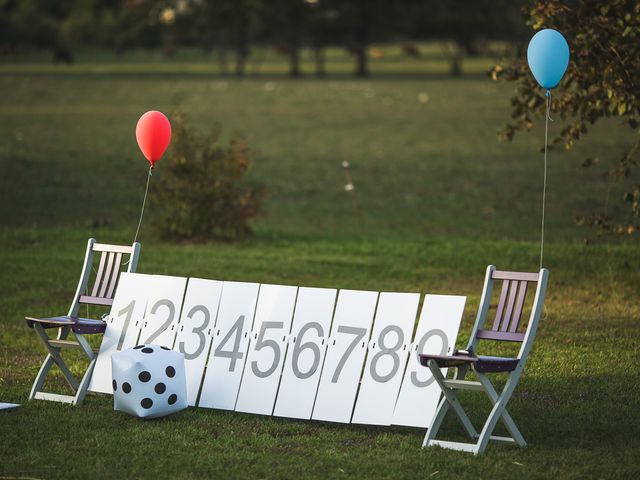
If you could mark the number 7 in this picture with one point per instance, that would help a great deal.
(358, 333)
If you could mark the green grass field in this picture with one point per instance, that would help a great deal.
(438, 199)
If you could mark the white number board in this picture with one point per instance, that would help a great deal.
(271, 327)
(229, 345)
(163, 310)
(345, 355)
(436, 334)
(305, 355)
(387, 358)
(288, 351)
(195, 330)
(123, 326)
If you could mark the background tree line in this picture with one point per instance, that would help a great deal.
(230, 28)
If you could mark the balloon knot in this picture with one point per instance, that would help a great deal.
(548, 93)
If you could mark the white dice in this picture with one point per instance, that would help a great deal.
(149, 381)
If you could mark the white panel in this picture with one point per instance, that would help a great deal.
(229, 345)
(436, 334)
(387, 358)
(267, 349)
(305, 355)
(163, 310)
(196, 329)
(345, 355)
(123, 326)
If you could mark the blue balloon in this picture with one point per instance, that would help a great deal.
(548, 57)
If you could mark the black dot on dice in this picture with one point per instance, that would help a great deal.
(165, 348)
(115, 385)
(147, 350)
(160, 388)
(146, 403)
(170, 371)
(173, 398)
(144, 377)
(126, 388)
(138, 347)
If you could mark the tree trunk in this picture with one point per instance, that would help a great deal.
(222, 60)
(295, 19)
(456, 65)
(456, 60)
(319, 60)
(362, 41)
(362, 67)
(242, 45)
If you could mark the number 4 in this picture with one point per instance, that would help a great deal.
(234, 354)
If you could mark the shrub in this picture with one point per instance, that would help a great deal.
(201, 193)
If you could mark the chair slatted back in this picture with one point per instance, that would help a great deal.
(510, 307)
(107, 274)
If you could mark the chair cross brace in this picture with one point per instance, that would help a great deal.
(450, 400)
(54, 357)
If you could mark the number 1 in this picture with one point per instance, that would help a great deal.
(129, 311)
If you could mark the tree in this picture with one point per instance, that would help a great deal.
(323, 28)
(601, 82)
(464, 27)
(205, 194)
(365, 21)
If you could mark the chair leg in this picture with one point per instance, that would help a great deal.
(497, 411)
(442, 410)
(41, 377)
(84, 383)
(506, 417)
(453, 401)
(432, 431)
(86, 378)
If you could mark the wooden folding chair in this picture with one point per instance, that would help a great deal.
(504, 328)
(106, 279)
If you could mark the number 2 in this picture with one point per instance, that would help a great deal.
(172, 312)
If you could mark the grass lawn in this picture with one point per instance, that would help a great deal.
(438, 199)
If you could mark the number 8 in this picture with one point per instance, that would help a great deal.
(384, 350)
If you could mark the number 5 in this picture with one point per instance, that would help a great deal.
(262, 343)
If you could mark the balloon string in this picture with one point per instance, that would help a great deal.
(544, 183)
(144, 200)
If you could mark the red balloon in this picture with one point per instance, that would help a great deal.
(153, 133)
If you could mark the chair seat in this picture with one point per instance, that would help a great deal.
(84, 326)
(480, 363)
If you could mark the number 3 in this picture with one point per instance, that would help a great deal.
(199, 331)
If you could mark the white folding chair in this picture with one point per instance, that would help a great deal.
(504, 328)
(106, 279)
